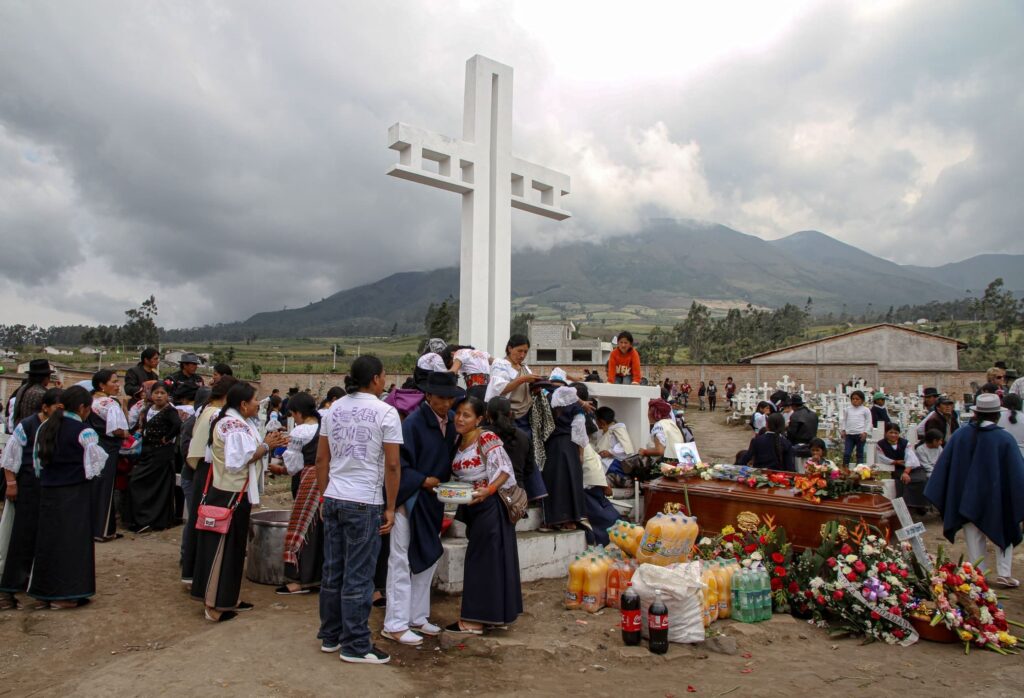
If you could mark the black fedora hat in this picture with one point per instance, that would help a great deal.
(930, 392)
(39, 367)
(442, 384)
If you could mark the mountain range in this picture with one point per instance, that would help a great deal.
(659, 270)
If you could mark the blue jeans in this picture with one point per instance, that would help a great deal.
(351, 545)
(853, 441)
(624, 380)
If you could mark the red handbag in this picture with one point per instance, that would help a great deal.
(216, 519)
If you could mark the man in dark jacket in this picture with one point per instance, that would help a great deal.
(141, 372)
(428, 447)
(188, 364)
(29, 397)
(978, 485)
(803, 423)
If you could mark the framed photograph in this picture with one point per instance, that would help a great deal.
(687, 454)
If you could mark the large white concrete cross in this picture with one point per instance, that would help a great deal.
(491, 180)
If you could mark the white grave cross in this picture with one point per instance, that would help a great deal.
(914, 532)
(492, 181)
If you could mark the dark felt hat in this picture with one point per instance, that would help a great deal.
(39, 367)
(442, 384)
(930, 392)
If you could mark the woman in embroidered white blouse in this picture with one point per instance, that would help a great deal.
(232, 483)
(491, 594)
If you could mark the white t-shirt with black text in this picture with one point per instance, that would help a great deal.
(357, 427)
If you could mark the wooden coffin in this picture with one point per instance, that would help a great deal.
(718, 503)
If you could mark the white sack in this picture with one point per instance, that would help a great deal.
(682, 592)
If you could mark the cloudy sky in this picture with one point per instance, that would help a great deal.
(229, 157)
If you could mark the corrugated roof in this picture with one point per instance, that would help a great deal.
(869, 328)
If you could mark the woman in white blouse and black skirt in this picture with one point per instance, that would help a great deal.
(67, 456)
(232, 482)
(491, 594)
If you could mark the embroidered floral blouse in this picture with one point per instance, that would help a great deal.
(483, 461)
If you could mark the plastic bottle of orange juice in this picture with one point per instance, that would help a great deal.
(691, 531)
(574, 588)
(711, 593)
(651, 543)
(616, 583)
(636, 535)
(670, 552)
(724, 584)
(594, 583)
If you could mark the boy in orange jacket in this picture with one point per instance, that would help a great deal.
(624, 363)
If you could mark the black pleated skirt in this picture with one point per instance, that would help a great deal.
(21, 550)
(65, 564)
(491, 592)
(188, 535)
(104, 521)
(220, 558)
(152, 488)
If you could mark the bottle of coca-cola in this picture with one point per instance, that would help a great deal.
(629, 603)
(657, 625)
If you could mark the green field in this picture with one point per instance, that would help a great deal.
(314, 355)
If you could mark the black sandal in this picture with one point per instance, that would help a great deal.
(225, 616)
(457, 629)
(283, 590)
(243, 606)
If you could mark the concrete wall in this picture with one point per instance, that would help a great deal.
(317, 384)
(820, 378)
(891, 348)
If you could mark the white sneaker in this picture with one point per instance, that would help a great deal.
(374, 656)
(406, 638)
(427, 628)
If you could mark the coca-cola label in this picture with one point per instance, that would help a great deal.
(631, 621)
(657, 621)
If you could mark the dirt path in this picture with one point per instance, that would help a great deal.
(144, 636)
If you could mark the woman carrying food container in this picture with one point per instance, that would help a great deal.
(428, 445)
(491, 592)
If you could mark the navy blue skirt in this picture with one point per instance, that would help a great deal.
(65, 565)
(491, 593)
(21, 551)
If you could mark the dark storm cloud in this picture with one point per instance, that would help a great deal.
(230, 157)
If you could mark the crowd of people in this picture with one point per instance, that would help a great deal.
(364, 530)
(364, 463)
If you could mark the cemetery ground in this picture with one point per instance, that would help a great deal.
(143, 635)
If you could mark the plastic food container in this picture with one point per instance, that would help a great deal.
(455, 492)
